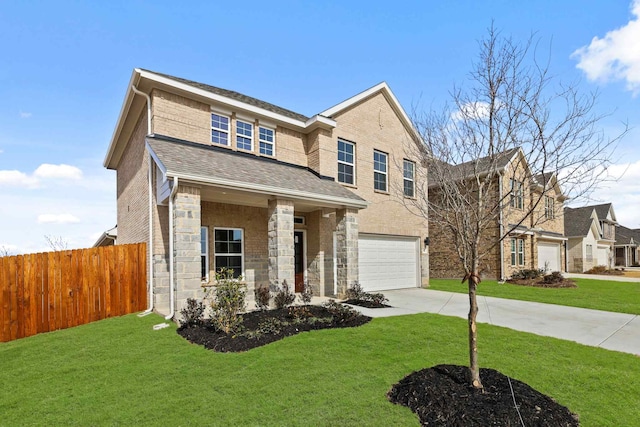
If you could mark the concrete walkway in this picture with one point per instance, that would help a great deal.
(601, 277)
(613, 331)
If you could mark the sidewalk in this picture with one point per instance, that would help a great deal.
(613, 331)
(601, 277)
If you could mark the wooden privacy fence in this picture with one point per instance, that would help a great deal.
(56, 290)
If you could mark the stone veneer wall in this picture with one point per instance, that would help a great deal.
(346, 248)
(281, 244)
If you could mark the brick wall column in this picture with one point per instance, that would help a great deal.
(186, 245)
(346, 248)
(281, 246)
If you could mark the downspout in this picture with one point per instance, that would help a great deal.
(172, 310)
(501, 229)
(150, 189)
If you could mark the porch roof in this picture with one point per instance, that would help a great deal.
(222, 167)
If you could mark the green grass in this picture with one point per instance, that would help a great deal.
(121, 372)
(621, 297)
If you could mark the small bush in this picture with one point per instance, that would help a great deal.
(555, 277)
(601, 269)
(378, 299)
(340, 313)
(263, 296)
(526, 274)
(228, 301)
(355, 292)
(307, 293)
(192, 313)
(284, 297)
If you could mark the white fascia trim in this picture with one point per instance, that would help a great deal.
(124, 110)
(320, 121)
(543, 237)
(222, 99)
(266, 189)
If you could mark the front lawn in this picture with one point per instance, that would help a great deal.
(621, 297)
(120, 372)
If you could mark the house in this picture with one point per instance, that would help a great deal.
(212, 178)
(627, 247)
(591, 233)
(529, 215)
(107, 238)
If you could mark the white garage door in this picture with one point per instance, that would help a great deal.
(549, 256)
(602, 255)
(388, 262)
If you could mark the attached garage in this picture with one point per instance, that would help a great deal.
(388, 262)
(602, 255)
(549, 256)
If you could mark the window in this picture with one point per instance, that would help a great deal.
(517, 199)
(204, 253)
(244, 135)
(589, 253)
(228, 250)
(379, 171)
(549, 207)
(517, 251)
(409, 169)
(219, 129)
(267, 138)
(346, 162)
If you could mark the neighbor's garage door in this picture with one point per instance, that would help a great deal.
(388, 262)
(549, 256)
(602, 255)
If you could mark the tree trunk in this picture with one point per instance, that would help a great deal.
(474, 367)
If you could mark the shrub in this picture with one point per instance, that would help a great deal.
(307, 293)
(228, 301)
(598, 269)
(355, 292)
(378, 299)
(192, 313)
(263, 296)
(284, 297)
(526, 274)
(555, 277)
(340, 313)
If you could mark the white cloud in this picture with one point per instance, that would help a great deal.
(616, 56)
(472, 111)
(61, 171)
(57, 219)
(16, 178)
(25, 115)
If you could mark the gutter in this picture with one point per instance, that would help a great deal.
(172, 310)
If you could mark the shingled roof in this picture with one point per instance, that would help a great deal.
(577, 221)
(471, 168)
(236, 96)
(624, 235)
(215, 165)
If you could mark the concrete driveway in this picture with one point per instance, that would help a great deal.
(613, 331)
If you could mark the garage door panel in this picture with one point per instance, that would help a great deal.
(387, 262)
(549, 256)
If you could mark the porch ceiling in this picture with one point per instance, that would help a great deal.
(245, 179)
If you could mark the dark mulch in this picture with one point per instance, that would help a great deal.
(442, 396)
(539, 283)
(299, 319)
(366, 304)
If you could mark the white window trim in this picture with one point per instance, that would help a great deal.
(517, 194)
(253, 132)
(267, 142)
(347, 163)
(206, 253)
(521, 252)
(413, 177)
(215, 267)
(517, 248)
(386, 174)
(228, 131)
(549, 207)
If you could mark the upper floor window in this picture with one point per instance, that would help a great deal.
(244, 135)
(346, 162)
(517, 197)
(409, 170)
(549, 207)
(517, 251)
(219, 129)
(267, 140)
(379, 171)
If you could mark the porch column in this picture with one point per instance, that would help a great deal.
(346, 248)
(186, 245)
(281, 245)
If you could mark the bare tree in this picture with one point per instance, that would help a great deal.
(56, 243)
(5, 251)
(511, 112)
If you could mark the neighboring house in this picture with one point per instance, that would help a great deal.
(627, 247)
(591, 233)
(107, 238)
(232, 181)
(535, 233)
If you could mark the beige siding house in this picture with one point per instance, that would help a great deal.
(213, 178)
(591, 233)
(531, 217)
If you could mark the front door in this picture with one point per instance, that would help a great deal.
(298, 248)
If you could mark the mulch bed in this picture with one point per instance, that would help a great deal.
(442, 396)
(205, 334)
(539, 283)
(365, 304)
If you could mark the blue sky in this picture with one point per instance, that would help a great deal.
(66, 66)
